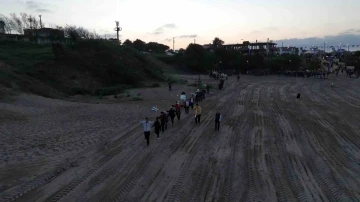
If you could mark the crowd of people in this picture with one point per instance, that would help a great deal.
(320, 74)
(161, 122)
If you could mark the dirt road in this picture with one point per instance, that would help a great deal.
(270, 147)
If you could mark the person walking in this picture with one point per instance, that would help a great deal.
(163, 117)
(157, 126)
(217, 121)
(172, 114)
(178, 109)
(170, 85)
(238, 77)
(187, 106)
(192, 102)
(147, 126)
(197, 111)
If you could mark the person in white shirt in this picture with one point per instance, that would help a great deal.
(147, 127)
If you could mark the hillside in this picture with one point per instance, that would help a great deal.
(95, 67)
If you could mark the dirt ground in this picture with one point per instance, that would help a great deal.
(270, 147)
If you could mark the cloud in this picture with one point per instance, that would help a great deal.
(350, 31)
(182, 36)
(37, 6)
(350, 36)
(188, 36)
(43, 10)
(161, 29)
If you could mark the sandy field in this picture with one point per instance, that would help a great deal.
(270, 147)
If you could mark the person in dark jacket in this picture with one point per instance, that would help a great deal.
(217, 121)
(192, 102)
(170, 85)
(157, 126)
(172, 114)
(163, 117)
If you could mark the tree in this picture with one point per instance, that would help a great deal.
(17, 23)
(71, 32)
(156, 47)
(25, 20)
(195, 57)
(127, 42)
(217, 42)
(9, 24)
(139, 45)
(76, 33)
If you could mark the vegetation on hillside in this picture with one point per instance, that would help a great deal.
(198, 59)
(152, 47)
(84, 67)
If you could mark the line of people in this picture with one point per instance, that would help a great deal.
(161, 123)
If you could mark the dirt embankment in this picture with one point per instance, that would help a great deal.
(270, 147)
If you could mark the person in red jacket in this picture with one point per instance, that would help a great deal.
(178, 109)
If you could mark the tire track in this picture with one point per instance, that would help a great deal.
(324, 182)
(176, 189)
(125, 192)
(110, 154)
(40, 181)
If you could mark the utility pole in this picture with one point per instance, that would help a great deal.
(117, 29)
(40, 22)
(174, 44)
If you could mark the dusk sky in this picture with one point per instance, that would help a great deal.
(230, 20)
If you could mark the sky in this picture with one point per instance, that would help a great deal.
(287, 22)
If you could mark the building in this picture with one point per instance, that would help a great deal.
(257, 47)
(44, 35)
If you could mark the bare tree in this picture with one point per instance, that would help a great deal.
(17, 24)
(71, 32)
(75, 33)
(35, 23)
(9, 24)
(26, 21)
